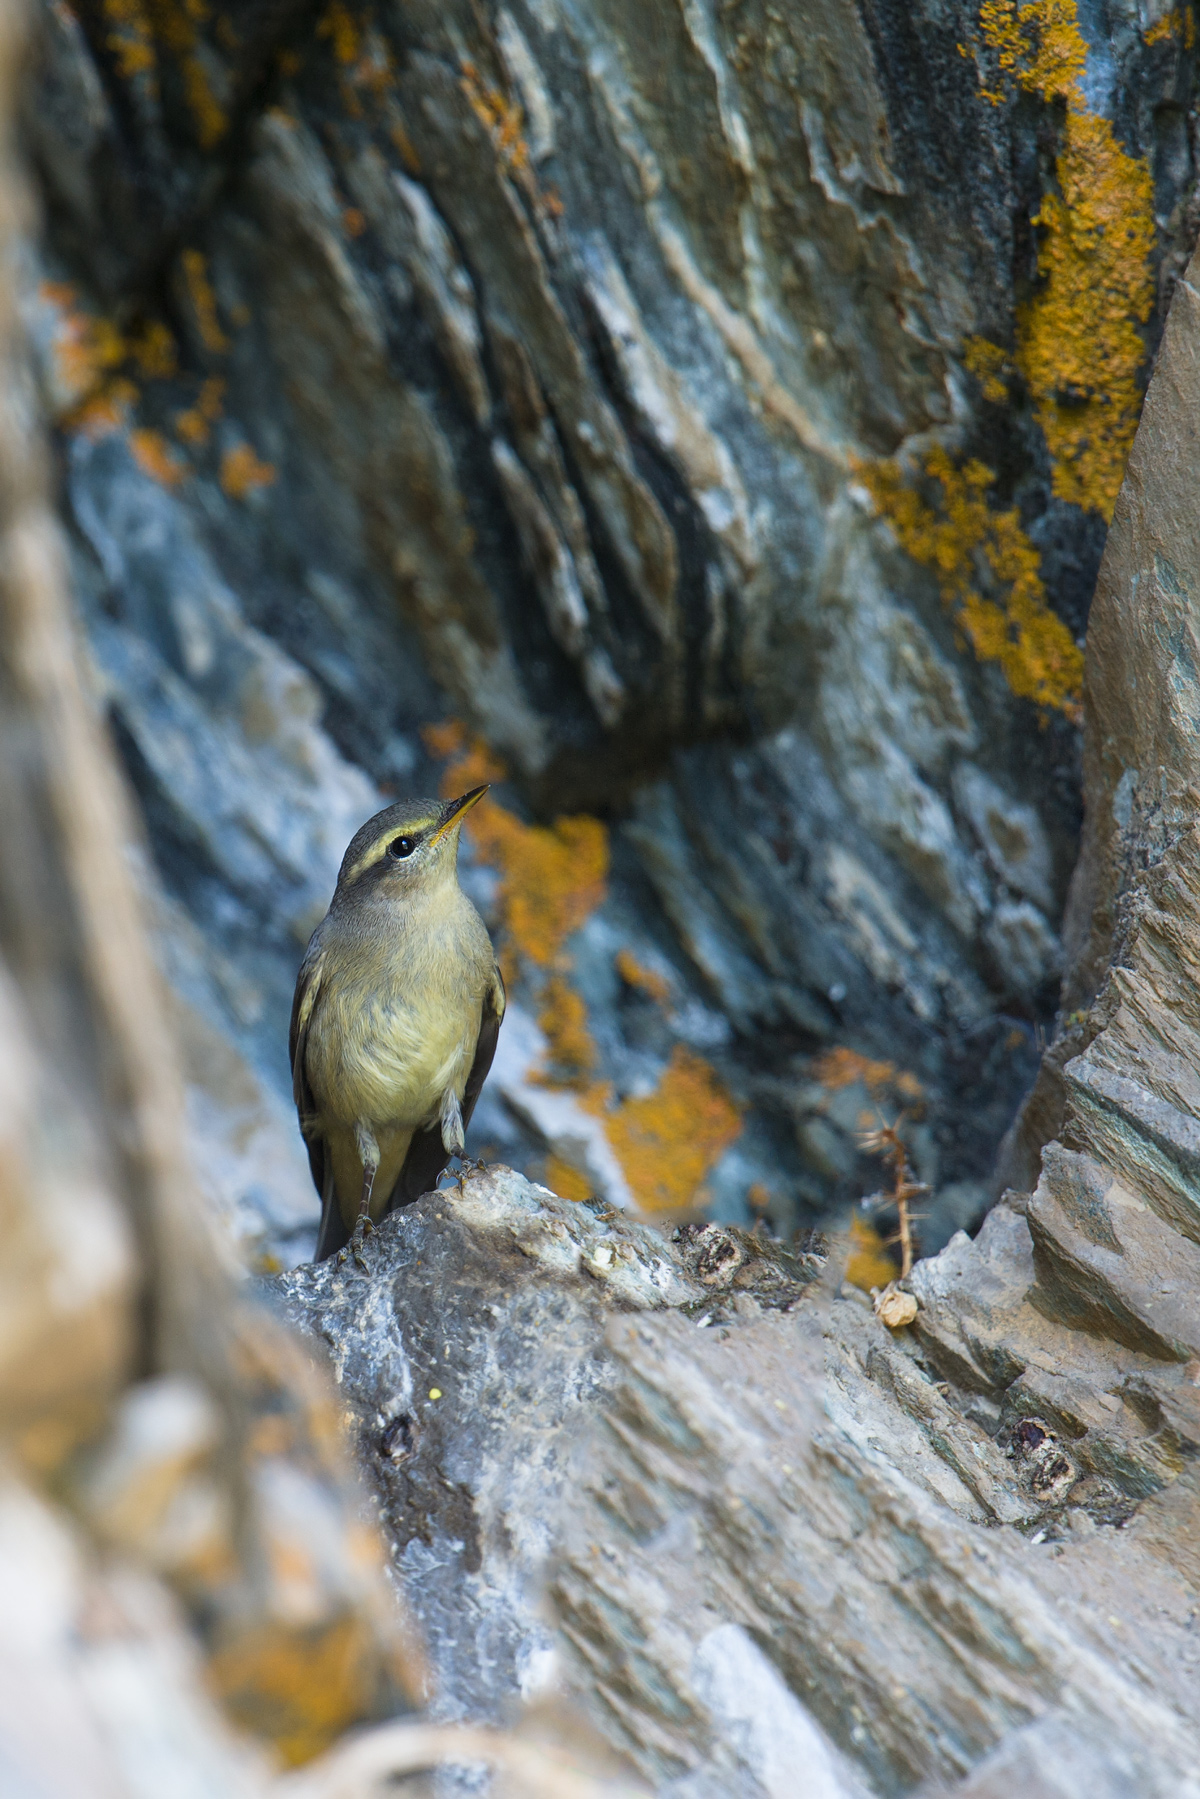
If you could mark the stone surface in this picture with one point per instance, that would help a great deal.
(665, 397)
(536, 369)
(763, 1537)
(468, 1338)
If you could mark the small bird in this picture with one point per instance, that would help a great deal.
(394, 1023)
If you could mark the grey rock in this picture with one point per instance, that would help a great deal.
(565, 411)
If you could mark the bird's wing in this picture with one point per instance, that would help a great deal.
(492, 1018)
(308, 988)
(426, 1153)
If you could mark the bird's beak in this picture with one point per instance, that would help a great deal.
(456, 811)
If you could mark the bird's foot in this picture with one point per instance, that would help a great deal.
(363, 1228)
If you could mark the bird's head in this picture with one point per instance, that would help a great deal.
(410, 847)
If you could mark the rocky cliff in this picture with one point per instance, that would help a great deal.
(718, 414)
(706, 425)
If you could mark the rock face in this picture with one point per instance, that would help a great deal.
(605, 1469)
(974, 1563)
(718, 416)
(469, 1335)
(708, 417)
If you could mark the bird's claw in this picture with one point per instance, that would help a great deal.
(363, 1227)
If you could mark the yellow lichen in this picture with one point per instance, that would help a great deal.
(1079, 346)
(869, 1264)
(668, 1141)
(567, 1181)
(242, 472)
(195, 425)
(967, 546)
(571, 1054)
(298, 1688)
(153, 456)
(153, 350)
(552, 877)
(989, 364)
(645, 980)
(208, 115)
(502, 117)
(1181, 24)
(204, 301)
(343, 32)
(139, 29)
(130, 39)
(406, 147)
(841, 1067)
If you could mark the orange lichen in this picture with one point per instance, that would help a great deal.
(129, 38)
(1079, 346)
(668, 1141)
(343, 32)
(869, 1265)
(989, 364)
(841, 1067)
(153, 456)
(552, 877)
(968, 546)
(204, 301)
(645, 980)
(1179, 24)
(298, 1688)
(139, 29)
(374, 69)
(90, 359)
(567, 1181)
(354, 221)
(105, 411)
(153, 350)
(86, 348)
(242, 472)
(571, 1053)
(195, 425)
(502, 117)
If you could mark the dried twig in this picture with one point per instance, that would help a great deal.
(887, 1143)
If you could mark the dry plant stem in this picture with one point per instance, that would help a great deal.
(888, 1143)
(906, 1254)
(361, 1767)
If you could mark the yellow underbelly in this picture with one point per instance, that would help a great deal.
(388, 1064)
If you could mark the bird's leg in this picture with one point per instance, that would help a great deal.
(368, 1152)
(453, 1136)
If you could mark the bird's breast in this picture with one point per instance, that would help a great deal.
(396, 1025)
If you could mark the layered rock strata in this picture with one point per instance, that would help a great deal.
(709, 418)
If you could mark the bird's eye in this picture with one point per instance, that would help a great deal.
(401, 847)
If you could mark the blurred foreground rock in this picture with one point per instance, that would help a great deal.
(178, 1517)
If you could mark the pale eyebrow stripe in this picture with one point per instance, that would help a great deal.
(379, 848)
